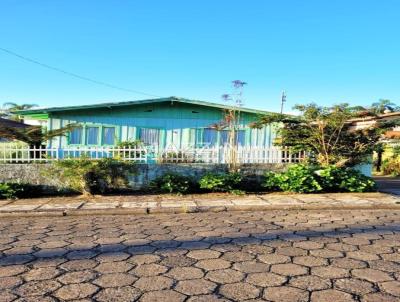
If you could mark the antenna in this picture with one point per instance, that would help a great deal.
(283, 100)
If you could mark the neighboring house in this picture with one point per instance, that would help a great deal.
(160, 122)
(394, 134)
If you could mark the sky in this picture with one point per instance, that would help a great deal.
(318, 51)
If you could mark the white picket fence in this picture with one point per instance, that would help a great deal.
(215, 155)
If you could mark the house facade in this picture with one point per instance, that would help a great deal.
(160, 122)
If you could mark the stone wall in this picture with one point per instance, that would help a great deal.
(33, 173)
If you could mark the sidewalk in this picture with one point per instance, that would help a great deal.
(149, 204)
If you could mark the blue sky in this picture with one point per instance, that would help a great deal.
(321, 51)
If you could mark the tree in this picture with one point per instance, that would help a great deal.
(9, 108)
(328, 133)
(231, 120)
(382, 105)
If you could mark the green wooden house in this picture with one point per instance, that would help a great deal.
(159, 122)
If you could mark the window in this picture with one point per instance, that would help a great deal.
(108, 135)
(210, 137)
(92, 135)
(150, 136)
(75, 137)
(240, 137)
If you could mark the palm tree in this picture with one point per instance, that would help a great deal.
(382, 105)
(9, 108)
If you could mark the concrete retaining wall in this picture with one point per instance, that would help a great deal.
(33, 173)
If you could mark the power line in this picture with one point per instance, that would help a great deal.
(74, 74)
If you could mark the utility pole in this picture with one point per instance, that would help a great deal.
(283, 100)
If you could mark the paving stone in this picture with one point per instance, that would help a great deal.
(206, 298)
(178, 261)
(37, 288)
(113, 267)
(144, 259)
(43, 273)
(163, 295)
(185, 273)
(330, 272)
(308, 245)
(147, 270)
(119, 294)
(77, 277)
(195, 287)
(379, 297)
(75, 291)
(153, 283)
(78, 265)
(7, 297)
(9, 282)
(115, 280)
(330, 295)
(213, 264)
(285, 294)
(355, 286)
(203, 254)
(310, 261)
(12, 270)
(237, 256)
(371, 275)
(326, 253)
(265, 279)
(225, 276)
(289, 269)
(239, 291)
(251, 267)
(273, 258)
(348, 263)
(310, 283)
(391, 287)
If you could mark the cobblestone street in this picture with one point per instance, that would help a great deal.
(283, 256)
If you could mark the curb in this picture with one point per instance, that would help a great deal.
(201, 209)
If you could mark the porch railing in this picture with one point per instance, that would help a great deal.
(216, 155)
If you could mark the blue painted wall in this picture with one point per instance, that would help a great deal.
(180, 124)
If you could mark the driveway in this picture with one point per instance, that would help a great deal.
(229, 256)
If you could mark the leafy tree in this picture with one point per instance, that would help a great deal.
(9, 108)
(328, 134)
(382, 105)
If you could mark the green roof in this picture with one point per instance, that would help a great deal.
(42, 112)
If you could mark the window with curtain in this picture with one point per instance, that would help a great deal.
(108, 135)
(92, 135)
(150, 136)
(75, 136)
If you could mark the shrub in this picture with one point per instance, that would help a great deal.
(310, 179)
(173, 183)
(343, 179)
(391, 166)
(18, 190)
(229, 182)
(89, 176)
(298, 178)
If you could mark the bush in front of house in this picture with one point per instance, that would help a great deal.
(297, 178)
(88, 176)
(173, 183)
(303, 178)
(221, 182)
